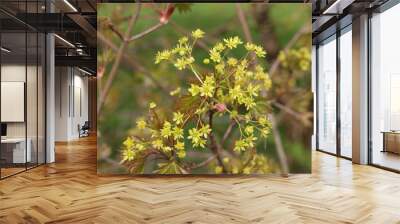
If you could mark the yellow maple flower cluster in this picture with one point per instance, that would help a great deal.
(168, 139)
(131, 149)
(296, 58)
(206, 89)
(235, 87)
(199, 136)
(256, 164)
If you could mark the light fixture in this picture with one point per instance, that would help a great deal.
(65, 41)
(70, 5)
(337, 7)
(84, 71)
(5, 50)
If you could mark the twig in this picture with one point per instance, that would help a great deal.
(204, 163)
(278, 143)
(228, 132)
(114, 69)
(131, 61)
(243, 23)
(292, 112)
(277, 137)
(115, 30)
(149, 30)
(215, 148)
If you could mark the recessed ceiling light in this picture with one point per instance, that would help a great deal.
(5, 50)
(84, 71)
(70, 5)
(65, 41)
(337, 7)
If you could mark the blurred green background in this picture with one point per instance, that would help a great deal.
(134, 86)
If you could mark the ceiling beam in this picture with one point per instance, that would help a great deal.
(84, 24)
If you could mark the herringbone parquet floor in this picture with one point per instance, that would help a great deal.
(69, 191)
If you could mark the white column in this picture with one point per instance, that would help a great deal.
(360, 90)
(50, 94)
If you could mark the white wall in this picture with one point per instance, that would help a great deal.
(16, 73)
(71, 102)
(61, 103)
(12, 73)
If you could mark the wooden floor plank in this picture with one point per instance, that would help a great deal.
(69, 191)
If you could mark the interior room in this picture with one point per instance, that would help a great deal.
(71, 100)
(30, 94)
(22, 99)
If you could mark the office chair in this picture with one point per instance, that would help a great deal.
(84, 130)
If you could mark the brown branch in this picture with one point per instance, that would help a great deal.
(295, 114)
(200, 155)
(149, 30)
(243, 23)
(204, 163)
(278, 143)
(215, 147)
(115, 30)
(131, 61)
(114, 69)
(251, 156)
(278, 140)
(228, 132)
(261, 15)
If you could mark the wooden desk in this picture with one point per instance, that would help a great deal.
(391, 141)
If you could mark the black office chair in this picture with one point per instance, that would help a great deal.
(84, 130)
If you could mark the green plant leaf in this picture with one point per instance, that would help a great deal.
(169, 168)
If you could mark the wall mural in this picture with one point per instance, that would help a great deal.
(204, 88)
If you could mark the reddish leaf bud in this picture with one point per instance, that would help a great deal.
(220, 107)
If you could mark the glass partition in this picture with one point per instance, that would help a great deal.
(327, 95)
(14, 151)
(22, 77)
(385, 89)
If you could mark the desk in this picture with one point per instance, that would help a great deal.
(15, 148)
(391, 141)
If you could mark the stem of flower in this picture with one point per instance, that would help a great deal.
(195, 73)
(215, 148)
